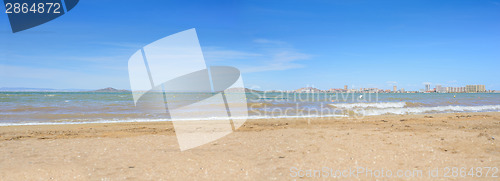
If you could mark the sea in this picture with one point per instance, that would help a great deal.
(41, 108)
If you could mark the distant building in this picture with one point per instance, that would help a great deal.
(470, 88)
(368, 90)
(403, 90)
(345, 87)
(481, 88)
(455, 89)
(475, 88)
(395, 88)
(427, 87)
(440, 89)
(336, 90)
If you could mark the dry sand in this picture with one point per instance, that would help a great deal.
(273, 149)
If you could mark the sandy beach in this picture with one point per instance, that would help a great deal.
(274, 149)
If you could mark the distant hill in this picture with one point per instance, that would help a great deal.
(110, 89)
(240, 89)
(25, 89)
(308, 90)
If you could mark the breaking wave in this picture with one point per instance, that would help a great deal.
(423, 110)
(92, 121)
(370, 105)
(381, 108)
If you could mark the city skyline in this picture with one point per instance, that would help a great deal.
(438, 88)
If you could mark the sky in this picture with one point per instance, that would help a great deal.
(278, 45)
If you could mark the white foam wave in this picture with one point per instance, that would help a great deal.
(160, 120)
(423, 110)
(370, 105)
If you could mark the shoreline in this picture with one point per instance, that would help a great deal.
(260, 149)
(335, 117)
(72, 129)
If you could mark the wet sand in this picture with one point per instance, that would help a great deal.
(261, 149)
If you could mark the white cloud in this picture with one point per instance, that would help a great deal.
(219, 54)
(132, 45)
(391, 82)
(267, 41)
(98, 59)
(274, 56)
(279, 61)
(13, 76)
(104, 71)
(34, 72)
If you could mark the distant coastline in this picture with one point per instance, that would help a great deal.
(110, 89)
(231, 90)
(23, 89)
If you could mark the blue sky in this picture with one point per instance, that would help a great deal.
(276, 44)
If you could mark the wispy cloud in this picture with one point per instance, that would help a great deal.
(391, 82)
(104, 62)
(220, 54)
(271, 55)
(267, 41)
(279, 61)
(111, 69)
(57, 78)
(9, 71)
(101, 59)
(121, 44)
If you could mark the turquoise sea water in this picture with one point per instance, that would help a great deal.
(89, 107)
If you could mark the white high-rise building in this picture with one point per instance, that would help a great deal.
(427, 87)
(440, 88)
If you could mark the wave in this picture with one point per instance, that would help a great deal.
(423, 110)
(88, 121)
(416, 104)
(364, 111)
(26, 108)
(370, 105)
